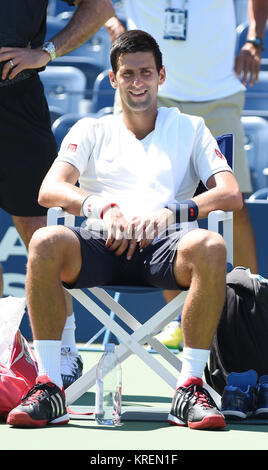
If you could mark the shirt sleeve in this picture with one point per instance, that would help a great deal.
(77, 146)
(207, 157)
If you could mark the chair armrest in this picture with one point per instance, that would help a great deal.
(56, 213)
(214, 219)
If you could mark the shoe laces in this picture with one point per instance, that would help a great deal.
(68, 361)
(202, 396)
(34, 394)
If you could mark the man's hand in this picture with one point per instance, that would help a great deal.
(118, 234)
(19, 58)
(145, 229)
(247, 64)
(114, 28)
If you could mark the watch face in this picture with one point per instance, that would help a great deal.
(258, 42)
(50, 48)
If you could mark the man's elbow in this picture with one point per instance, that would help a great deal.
(237, 200)
(43, 198)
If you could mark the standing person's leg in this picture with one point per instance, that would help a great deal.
(54, 256)
(71, 361)
(224, 117)
(28, 149)
(221, 117)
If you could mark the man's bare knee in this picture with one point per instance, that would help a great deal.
(201, 249)
(46, 250)
(44, 242)
(55, 250)
(211, 249)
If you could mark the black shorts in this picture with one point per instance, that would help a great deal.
(153, 266)
(27, 146)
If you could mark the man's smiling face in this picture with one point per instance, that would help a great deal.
(137, 80)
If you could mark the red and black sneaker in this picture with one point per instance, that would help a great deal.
(44, 404)
(193, 406)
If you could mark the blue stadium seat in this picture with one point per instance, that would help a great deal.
(103, 93)
(55, 7)
(63, 124)
(88, 66)
(54, 26)
(256, 102)
(96, 48)
(256, 145)
(64, 87)
(55, 113)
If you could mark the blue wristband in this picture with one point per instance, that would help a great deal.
(184, 211)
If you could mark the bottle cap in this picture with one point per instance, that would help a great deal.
(109, 347)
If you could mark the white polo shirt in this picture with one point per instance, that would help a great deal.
(200, 68)
(142, 176)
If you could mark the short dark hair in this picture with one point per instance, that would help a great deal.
(132, 41)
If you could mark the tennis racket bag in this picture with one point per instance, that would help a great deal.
(18, 365)
(17, 377)
(241, 339)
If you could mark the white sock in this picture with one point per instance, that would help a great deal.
(68, 335)
(48, 354)
(193, 364)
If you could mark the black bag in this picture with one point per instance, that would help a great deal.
(241, 339)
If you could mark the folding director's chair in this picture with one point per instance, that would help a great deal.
(133, 343)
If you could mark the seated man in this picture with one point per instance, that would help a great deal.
(132, 169)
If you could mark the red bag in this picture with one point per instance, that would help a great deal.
(17, 379)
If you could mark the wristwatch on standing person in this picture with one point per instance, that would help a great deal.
(257, 42)
(50, 48)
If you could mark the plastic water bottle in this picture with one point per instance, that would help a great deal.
(108, 388)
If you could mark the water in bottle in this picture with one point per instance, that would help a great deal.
(108, 388)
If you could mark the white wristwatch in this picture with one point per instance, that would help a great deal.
(50, 48)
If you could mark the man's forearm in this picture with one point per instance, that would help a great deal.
(88, 18)
(258, 14)
(62, 194)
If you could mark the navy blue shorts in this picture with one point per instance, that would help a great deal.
(153, 266)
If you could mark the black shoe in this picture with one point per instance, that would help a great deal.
(44, 404)
(193, 406)
(262, 397)
(239, 396)
(71, 367)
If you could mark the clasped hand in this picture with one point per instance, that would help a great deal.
(21, 58)
(139, 232)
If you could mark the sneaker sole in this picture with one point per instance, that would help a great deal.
(24, 420)
(174, 421)
(262, 413)
(237, 415)
(209, 422)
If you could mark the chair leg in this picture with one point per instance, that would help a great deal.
(130, 343)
